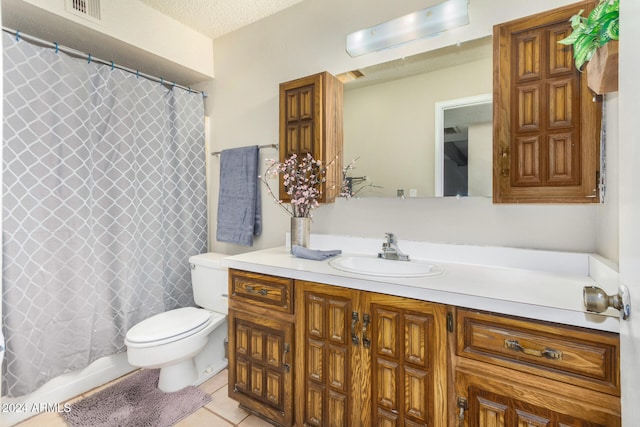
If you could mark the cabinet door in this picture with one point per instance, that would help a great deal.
(301, 114)
(495, 396)
(260, 376)
(408, 361)
(488, 409)
(546, 121)
(311, 122)
(330, 392)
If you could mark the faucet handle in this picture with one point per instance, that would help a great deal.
(391, 238)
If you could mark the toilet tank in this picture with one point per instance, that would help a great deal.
(209, 280)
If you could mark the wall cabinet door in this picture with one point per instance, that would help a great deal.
(369, 359)
(546, 120)
(311, 122)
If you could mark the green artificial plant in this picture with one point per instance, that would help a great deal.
(592, 32)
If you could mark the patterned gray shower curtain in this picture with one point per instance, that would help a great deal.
(104, 200)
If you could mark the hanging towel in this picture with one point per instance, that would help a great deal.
(239, 207)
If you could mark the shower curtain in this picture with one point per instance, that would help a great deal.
(104, 200)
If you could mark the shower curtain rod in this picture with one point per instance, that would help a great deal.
(79, 54)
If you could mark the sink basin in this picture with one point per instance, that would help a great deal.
(373, 266)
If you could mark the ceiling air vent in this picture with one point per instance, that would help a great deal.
(88, 9)
(451, 130)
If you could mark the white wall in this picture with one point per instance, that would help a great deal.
(480, 158)
(628, 157)
(130, 33)
(308, 38)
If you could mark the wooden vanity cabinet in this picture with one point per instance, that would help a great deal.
(310, 354)
(368, 359)
(517, 372)
(261, 345)
(311, 122)
(546, 121)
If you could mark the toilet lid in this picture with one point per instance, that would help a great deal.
(173, 324)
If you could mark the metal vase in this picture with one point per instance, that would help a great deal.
(300, 230)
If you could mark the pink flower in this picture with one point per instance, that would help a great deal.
(302, 177)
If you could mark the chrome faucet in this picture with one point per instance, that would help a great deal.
(390, 249)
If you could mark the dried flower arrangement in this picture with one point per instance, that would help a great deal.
(302, 177)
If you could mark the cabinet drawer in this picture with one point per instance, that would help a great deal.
(574, 355)
(260, 289)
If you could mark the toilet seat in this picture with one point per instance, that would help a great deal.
(168, 327)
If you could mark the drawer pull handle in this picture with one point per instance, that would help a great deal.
(547, 352)
(253, 290)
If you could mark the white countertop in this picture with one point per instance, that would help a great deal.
(501, 280)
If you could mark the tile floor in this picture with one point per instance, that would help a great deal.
(220, 412)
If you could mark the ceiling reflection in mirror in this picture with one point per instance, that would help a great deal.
(389, 124)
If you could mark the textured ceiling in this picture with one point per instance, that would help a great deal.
(215, 18)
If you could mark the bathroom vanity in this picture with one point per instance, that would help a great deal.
(479, 342)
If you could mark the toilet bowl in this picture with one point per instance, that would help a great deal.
(187, 344)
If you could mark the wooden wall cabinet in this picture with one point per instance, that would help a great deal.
(368, 359)
(515, 372)
(546, 144)
(311, 122)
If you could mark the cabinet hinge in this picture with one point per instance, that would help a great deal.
(462, 406)
(450, 321)
(285, 365)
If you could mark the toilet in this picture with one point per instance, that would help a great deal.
(187, 344)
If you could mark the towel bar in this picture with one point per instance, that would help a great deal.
(217, 153)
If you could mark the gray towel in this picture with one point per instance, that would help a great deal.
(239, 207)
(314, 254)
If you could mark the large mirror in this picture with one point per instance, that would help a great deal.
(390, 123)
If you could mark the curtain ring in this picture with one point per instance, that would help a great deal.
(17, 36)
(137, 73)
(89, 59)
(112, 65)
(57, 47)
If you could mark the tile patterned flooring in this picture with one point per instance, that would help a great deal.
(220, 412)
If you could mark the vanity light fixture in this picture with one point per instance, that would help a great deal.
(428, 22)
